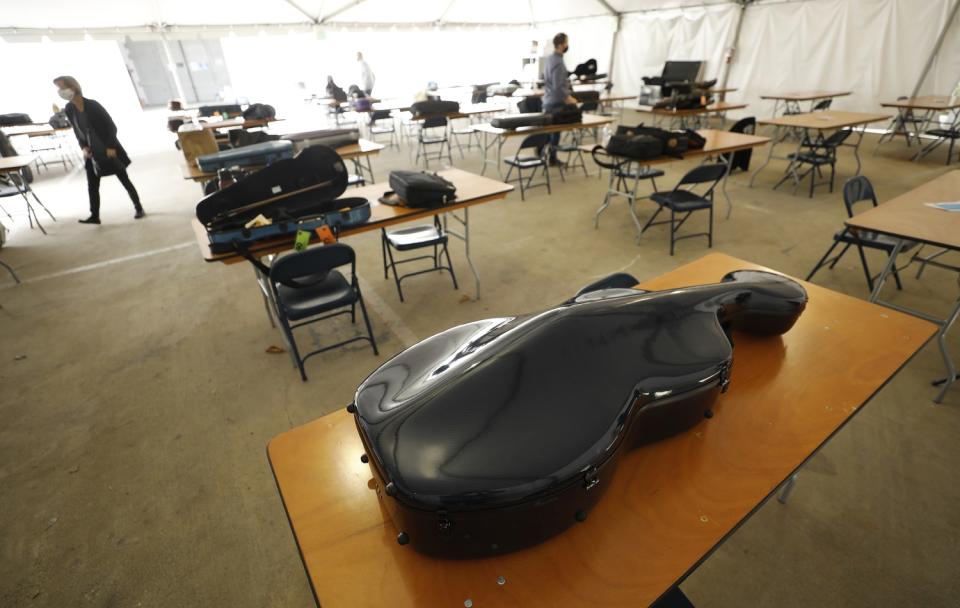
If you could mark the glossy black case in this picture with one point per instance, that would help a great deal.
(498, 434)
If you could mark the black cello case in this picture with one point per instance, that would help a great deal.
(295, 193)
(495, 435)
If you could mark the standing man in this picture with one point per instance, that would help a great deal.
(97, 136)
(556, 86)
(366, 75)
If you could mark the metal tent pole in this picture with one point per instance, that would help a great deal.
(733, 48)
(172, 66)
(936, 48)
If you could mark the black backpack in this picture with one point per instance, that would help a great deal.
(635, 147)
(259, 110)
(422, 189)
(675, 143)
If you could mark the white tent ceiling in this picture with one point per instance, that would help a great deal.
(157, 14)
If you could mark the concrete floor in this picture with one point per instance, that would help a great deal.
(136, 397)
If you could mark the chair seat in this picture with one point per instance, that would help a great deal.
(6, 191)
(872, 240)
(641, 173)
(568, 148)
(681, 200)
(525, 162)
(812, 159)
(328, 293)
(945, 133)
(433, 140)
(416, 237)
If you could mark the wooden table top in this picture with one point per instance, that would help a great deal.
(722, 90)
(909, 217)
(926, 102)
(234, 123)
(807, 95)
(364, 147)
(15, 163)
(824, 120)
(670, 503)
(37, 130)
(718, 142)
(589, 121)
(472, 190)
(720, 106)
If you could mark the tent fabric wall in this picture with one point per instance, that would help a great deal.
(648, 39)
(875, 48)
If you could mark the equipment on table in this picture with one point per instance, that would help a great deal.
(568, 114)
(291, 194)
(502, 90)
(257, 154)
(586, 96)
(241, 137)
(223, 109)
(675, 143)
(635, 147)
(433, 107)
(422, 189)
(15, 120)
(587, 71)
(514, 121)
(498, 434)
(259, 110)
(334, 138)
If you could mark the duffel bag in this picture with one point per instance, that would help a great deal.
(422, 189)
(521, 120)
(674, 143)
(635, 147)
(568, 114)
(695, 141)
(431, 107)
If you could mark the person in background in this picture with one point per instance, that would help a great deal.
(367, 79)
(556, 86)
(97, 136)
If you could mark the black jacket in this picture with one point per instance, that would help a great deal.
(101, 132)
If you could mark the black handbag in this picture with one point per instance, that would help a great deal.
(635, 147)
(674, 143)
(567, 115)
(422, 189)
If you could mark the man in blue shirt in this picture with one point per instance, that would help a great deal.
(556, 86)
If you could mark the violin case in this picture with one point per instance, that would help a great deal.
(498, 434)
(263, 153)
(333, 138)
(299, 193)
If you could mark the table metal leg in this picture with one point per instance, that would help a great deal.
(10, 270)
(370, 169)
(723, 184)
(777, 138)
(942, 343)
(465, 237)
(784, 495)
(891, 264)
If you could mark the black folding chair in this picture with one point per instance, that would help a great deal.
(856, 190)
(382, 123)
(950, 134)
(686, 202)
(622, 173)
(409, 239)
(819, 154)
(741, 158)
(306, 284)
(540, 143)
(428, 136)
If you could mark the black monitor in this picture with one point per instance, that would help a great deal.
(681, 71)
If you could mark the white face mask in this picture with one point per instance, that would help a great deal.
(66, 94)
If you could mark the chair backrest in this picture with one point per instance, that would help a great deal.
(379, 115)
(311, 262)
(823, 104)
(858, 189)
(745, 125)
(432, 122)
(712, 172)
(835, 139)
(538, 141)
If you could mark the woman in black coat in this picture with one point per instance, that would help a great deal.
(97, 136)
